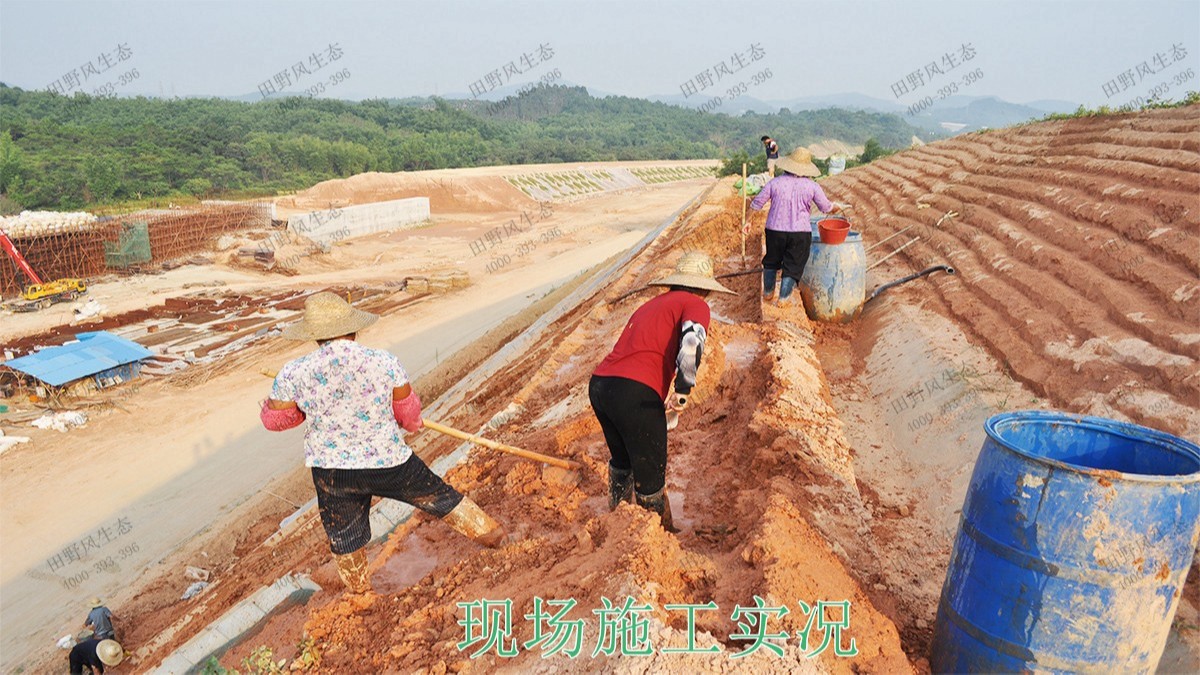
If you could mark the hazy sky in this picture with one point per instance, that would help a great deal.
(1024, 50)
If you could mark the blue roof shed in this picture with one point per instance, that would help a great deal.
(94, 353)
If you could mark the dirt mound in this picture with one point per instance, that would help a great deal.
(457, 194)
(742, 488)
(737, 496)
(1078, 249)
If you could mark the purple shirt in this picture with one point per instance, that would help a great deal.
(791, 200)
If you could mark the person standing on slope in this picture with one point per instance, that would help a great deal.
(356, 400)
(788, 233)
(664, 338)
(772, 149)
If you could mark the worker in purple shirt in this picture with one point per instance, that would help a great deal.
(788, 231)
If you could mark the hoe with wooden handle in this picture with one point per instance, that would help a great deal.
(478, 440)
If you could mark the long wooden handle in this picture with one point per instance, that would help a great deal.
(479, 440)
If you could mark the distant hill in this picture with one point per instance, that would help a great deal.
(977, 113)
(962, 113)
(82, 151)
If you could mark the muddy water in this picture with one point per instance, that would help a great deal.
(415, 560)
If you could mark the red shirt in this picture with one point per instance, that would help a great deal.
(649, 345)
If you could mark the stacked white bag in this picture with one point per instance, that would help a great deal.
(43, 223)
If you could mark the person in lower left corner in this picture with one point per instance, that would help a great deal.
(629, 390)
(99, 619)
(356, 401)
(93, 654)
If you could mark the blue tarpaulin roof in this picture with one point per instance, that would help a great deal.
(94, 353)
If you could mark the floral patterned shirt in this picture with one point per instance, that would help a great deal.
(345, 391)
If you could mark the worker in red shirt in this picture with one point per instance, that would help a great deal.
(629, 389)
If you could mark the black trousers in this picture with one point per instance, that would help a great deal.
(787, 251)
(635, 427)
(344, 498)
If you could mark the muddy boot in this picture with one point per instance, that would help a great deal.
(620, 486)
(352, 568)
(785, 290)
(769, 283)
(660, 504)
(470, 520)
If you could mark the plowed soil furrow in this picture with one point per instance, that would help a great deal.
(1062, 233)
(1167, 150)
(1003, 335)
(1077, 245)
(962, 298)
(1137, 141)
(1086, 200)
(1118, 159)
(1053, 174)
(1089, 167)
(1123, 260)
(1135, 131)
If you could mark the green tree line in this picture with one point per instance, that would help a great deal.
(75, 152)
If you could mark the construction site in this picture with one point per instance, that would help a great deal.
(820, 476)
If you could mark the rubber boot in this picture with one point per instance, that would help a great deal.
(785, 290)
(769, 283)
(352, 568)
(620, 486)
(470, 520)
(659, 503)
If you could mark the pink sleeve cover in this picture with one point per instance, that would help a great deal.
(280, 420)
(408, 413)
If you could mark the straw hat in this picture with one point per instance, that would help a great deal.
(694, 270)
(95, 602)
(799, 163)
(110, 652)
(327, 315)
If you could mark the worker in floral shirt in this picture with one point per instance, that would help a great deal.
(356, 400)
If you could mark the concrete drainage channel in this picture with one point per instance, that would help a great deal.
(243, 618)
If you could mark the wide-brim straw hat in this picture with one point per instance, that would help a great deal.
(799, 163)
(694, 270)
(95, 602)
(327, 315)
(110, 652)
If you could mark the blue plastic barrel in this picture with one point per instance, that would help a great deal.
(834, 283)
(1072, 549)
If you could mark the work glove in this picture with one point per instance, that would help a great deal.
(675, 404)
(672, 419)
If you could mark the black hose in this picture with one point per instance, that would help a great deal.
(928, 270)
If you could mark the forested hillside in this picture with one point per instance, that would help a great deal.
(58, 152)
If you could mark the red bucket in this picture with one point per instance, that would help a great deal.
(833, 230)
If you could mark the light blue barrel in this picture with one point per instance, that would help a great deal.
(834, 283)
(1074, 542)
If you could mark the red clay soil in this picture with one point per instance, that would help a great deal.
(761, 477)
(1078, 248)
(744, 531)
